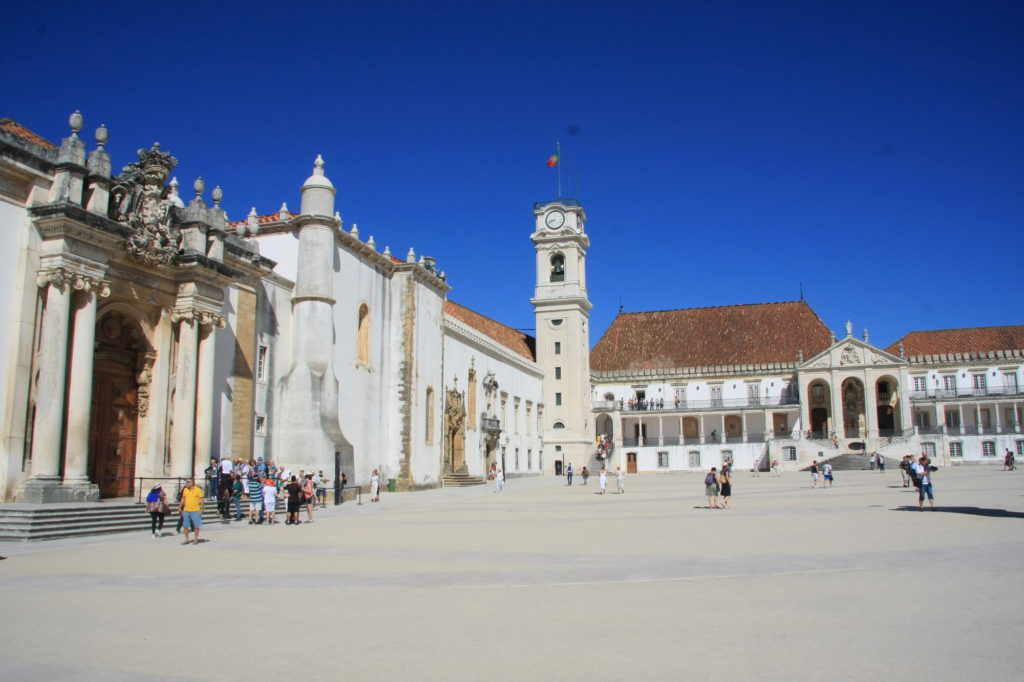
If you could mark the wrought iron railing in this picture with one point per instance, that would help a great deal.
(691, 405)
(971, 392)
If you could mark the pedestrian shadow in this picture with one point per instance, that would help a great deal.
(973, 511)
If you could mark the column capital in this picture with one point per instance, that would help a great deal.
(64, 277)
(197, 316)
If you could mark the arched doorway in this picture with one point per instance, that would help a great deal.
(853, 408)
(115, 404)
(819, 398)
(888, 400)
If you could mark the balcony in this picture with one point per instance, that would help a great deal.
(972, 392)
(490, 424)
(694, 405)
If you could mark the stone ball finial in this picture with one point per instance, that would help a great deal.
(199, 186)
(411, 256)
(102, 135)
(318, 165)
(76, 122)
(217, 195)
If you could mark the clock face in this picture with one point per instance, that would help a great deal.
(555, 220)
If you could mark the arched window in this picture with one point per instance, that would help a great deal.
(558, 268)
(430, 415)
(363, 338)
(558, 425)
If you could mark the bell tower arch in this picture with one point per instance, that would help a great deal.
(562, 314)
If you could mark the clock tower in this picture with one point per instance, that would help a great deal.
(562, 313)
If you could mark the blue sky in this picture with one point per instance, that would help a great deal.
(726, 151)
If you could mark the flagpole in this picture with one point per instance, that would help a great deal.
(558, 163)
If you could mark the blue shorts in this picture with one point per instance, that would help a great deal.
(190, 520)
(925, 488)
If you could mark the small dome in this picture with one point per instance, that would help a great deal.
(318, 179)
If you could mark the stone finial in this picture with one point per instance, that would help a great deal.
(372, 244)
(902, 351)
(318, 165)
(102, 136)
(355, 230)
(173, 194)
(337, 219)
(387, 251)
(217, 195)
(199, 186)
(75, 121)
(865, 334)
(800, 356)
(849, 328)
(283, 213)
(411, 256)
(252, 221)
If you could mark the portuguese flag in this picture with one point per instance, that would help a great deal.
(553, 160)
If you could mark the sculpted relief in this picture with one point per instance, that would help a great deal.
(139, 201)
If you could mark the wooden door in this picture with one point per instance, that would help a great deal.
(114, 428)
(630, 462)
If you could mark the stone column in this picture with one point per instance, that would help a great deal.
(43, 483)
(204, 399)
(871, 409)
(184, 415)
(836, 394)
(76, 453)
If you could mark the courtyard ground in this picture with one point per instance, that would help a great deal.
(548, 582)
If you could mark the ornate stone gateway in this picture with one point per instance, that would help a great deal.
(455, 433)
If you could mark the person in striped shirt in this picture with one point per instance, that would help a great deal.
(255, 490)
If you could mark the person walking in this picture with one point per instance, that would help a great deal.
(711, 488)
(341, 487)
(725, 481)
(881, 463)
(321, 489)
(775, 468)
(255, 498)
(584, 474)
(192, 509)
(499, 481)
(924, 471)
(568, 473)
(1009, 463)
(826, 470)
(620, 480)
(156, 505)
(904, 470)
(375, 486)
(270, 499)
(602, 479)
(814, 474)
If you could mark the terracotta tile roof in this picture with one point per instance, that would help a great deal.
(516, 341)
(15, 128)
(726, 335)
(966, 340)
(262, 219)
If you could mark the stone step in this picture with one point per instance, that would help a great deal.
(851, 461)
(460, 480)
(63, 522)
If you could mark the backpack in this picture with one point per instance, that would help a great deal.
(709, 479)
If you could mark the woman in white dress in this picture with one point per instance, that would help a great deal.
(603, 480)
(620, 480)
(269, 499)
(375, 487)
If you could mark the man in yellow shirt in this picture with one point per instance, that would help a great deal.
(191, 509)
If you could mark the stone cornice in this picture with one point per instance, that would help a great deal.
(62, 277)
(198, 314)
(22, 151)
(694, 373)
(486, 344)
(947, 359)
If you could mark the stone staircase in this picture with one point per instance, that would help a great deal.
(854, 462)
(460, 480)
(59, 521)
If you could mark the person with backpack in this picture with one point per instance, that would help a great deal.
(711, 488)
(156, 505)
(924, 471)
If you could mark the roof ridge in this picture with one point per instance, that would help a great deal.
(717, 307)
(960, 329)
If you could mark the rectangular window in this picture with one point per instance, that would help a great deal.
(1020, 447)
(817, 394)
(529, 420)
(753, 393)
(988, 448)
(558, 399)
(789, 453)
(949, 382)
(529, 459)
(261, 424)
(955, 450)
(517, 459)
(558, 372)
(1010, 382)
(716, 396)
(663, 460)
(558, 347)
(923, 420)
(952, 419)
(920, 384)
(1011, 417)
(928, 449)
(693, 459)
(986, 417)
(726, 456)
(261, 363)
(680, 396)
(979, 382)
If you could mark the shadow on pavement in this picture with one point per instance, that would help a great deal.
(974, 511)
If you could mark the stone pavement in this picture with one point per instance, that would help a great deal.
(548, 582)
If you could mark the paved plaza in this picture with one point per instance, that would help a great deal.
(548, 582)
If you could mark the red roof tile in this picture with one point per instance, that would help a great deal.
(966, 340)
(727, 335)
(24, 133)
(516, 341)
